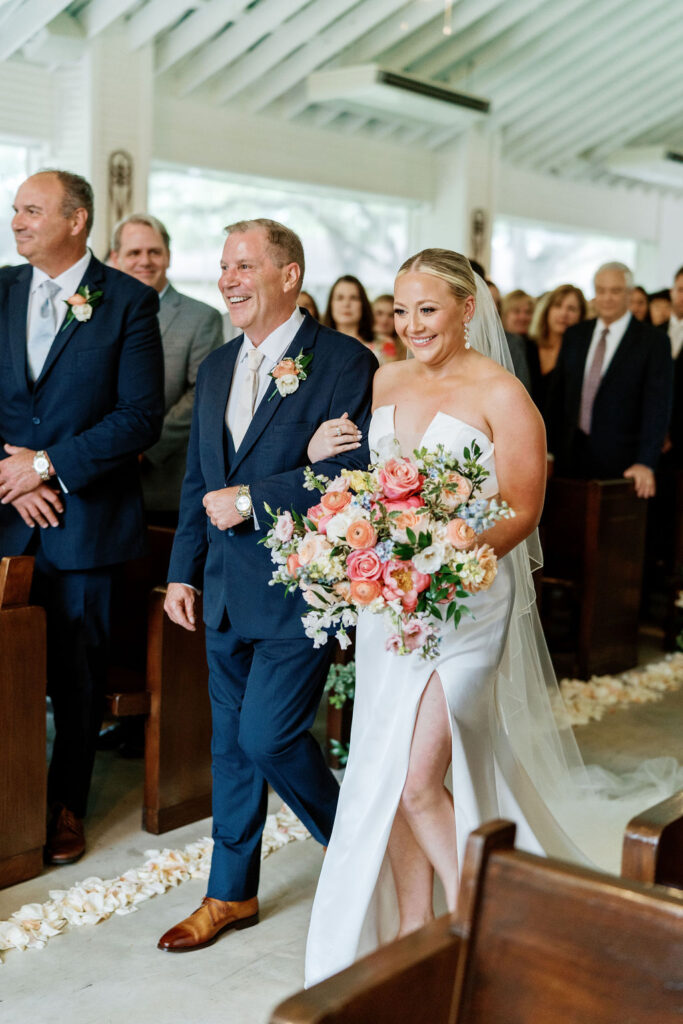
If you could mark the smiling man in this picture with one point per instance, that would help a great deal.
(81, 395)
(141, 247)
(248, 446)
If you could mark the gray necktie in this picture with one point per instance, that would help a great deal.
(43, 328)
(592, 383)
(249, 386)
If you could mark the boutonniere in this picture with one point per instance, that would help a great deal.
(81, 305)
(288, 373)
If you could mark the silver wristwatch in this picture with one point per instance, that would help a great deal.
(243, 503)
(41, 464)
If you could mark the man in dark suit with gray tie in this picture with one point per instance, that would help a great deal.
(190, 329)
(610, 400)
(81, 395)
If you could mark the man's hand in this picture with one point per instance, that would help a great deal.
(220, 507)
(644, 479)
(17, 475)
(39, 507)
(179, 605)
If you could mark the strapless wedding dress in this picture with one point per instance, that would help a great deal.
(355, 907)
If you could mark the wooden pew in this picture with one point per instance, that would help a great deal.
(593, 534)
(159, 670)
(540, 941)
(23, 769)
(653, 845)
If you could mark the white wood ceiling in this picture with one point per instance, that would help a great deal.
(570, 81)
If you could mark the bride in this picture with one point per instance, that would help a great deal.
(439, 747)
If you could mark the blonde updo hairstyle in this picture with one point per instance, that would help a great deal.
(451, 267)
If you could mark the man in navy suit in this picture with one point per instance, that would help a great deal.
(81, 395)
(610, 400)
(248, 446)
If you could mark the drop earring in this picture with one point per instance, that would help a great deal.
(466, 327)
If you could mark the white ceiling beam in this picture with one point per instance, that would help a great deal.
(553, 58)
(422, 43)
(154, 18)
(318, 51)
(480, 33)
(24, 23)
(568, 94)
(258, 62)
(100, 14)
(621, 132)
(638, 96)
(352, 123)
(442, 136)
(195, 30)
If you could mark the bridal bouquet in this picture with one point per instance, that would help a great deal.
(398, 539)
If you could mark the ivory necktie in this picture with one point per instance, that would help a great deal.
(592, 383)
(43, 328)
(249, 385)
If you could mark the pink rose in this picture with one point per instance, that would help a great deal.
(459, 534)
(404, 504)
(320, 517)
(340, 483)
(363, 565)
(284, 527)
(312, 547)
(399, 479)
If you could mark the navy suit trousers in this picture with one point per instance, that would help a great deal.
(264, 698)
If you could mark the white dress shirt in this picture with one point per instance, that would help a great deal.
(272, 349)
(676, 334)
(68, 283)
(617, 330)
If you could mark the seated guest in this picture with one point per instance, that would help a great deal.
(190, 329)
(87, 402)
(640, 304)
(660, 308)
(610, 398)
(392, 347)
(349, 311)
(306, 301)
(555, 312)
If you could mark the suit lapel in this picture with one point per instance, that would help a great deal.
(220, 384)
(304, 341)
(17, 312)
(94, 279)
(168, 308)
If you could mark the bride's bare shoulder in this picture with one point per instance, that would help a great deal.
(387, 379)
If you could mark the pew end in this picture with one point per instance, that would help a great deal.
(23, 683)
(652, 852)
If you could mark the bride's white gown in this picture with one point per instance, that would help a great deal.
(355, 906)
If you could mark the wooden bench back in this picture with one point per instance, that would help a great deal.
(546, 942)
(653, 845)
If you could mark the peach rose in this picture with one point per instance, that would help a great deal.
(363, 565)
(287, 366)
(399, 479)
(335, 501)
(486, 557)
(365, 591)
(77, 300)
(407, 520)
(293, 564)
(313, 546)
(361, 534)
(459, 534)
(459, 490)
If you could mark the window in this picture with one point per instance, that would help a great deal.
(17, 161)
(342, 233)
(539, 257)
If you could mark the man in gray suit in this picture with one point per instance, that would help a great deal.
(189, 331)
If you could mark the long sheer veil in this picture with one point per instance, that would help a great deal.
(575, 812)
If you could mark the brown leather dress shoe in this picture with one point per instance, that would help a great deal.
(209, 920)
(65, 838)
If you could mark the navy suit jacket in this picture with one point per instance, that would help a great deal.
(98, 403)
(231, 566)
(632, 406)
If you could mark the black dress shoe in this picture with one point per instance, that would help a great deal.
(65, 837)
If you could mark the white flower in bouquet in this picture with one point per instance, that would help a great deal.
(339, 524)
(430, 559)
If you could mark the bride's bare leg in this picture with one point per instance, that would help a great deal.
(426, 804)
(413, 876)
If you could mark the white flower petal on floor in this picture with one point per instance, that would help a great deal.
(588, 701)
(94, 899)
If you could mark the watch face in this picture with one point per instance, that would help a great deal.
(40, 464)
(243, 503)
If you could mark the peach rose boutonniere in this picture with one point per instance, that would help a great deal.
(289, 373)
(81, 305)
